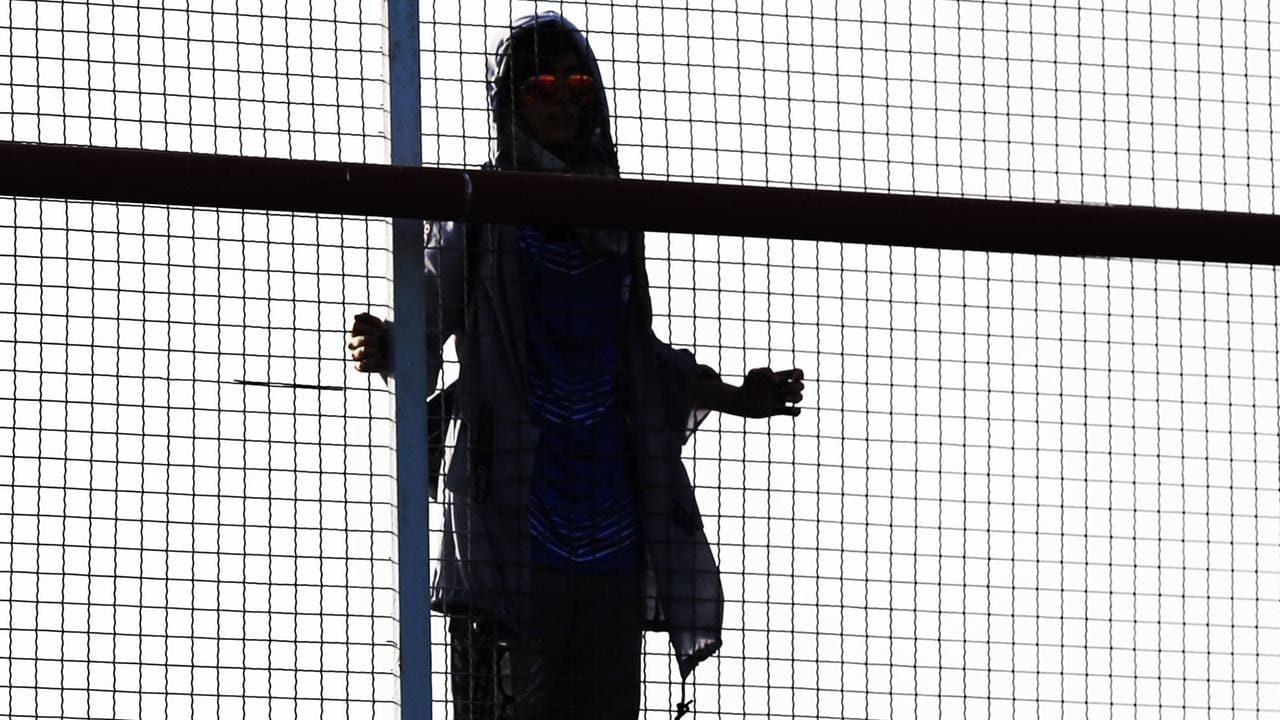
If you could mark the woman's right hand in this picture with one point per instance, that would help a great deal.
(368, 343)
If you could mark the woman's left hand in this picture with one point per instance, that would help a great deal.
(765, 393)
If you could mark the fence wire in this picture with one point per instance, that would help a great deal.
(200, 517)
(1019, 486)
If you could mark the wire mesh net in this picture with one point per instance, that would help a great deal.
(1019, 485)
(200, 518)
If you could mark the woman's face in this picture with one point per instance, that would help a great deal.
(552, 111)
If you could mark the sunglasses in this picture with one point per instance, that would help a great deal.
(578, 88)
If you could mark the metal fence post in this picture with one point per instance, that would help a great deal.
(408, 359)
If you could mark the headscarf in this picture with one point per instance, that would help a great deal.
(592, 154)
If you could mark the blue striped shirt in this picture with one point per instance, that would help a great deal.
(583, 508)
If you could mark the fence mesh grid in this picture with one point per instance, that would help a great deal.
(1020, 485)
(200, 521)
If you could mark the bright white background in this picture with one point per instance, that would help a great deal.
(1021, 486)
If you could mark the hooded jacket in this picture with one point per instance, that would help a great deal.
(484, 564)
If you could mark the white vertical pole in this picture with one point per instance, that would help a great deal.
(408, 358)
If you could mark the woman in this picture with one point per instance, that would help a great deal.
(570, 522)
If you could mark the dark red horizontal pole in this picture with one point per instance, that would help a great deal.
(227, 181)
(172, 178)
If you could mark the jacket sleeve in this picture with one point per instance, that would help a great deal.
(444, 255)
(676, 368)
(677, 371)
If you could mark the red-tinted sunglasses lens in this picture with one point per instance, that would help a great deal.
(580, 87)
(540, 87)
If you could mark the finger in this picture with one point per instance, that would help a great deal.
(792, 411)
(792, 375)
(373, 344)
(795, 397)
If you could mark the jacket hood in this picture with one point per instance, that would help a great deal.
(516, 149)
